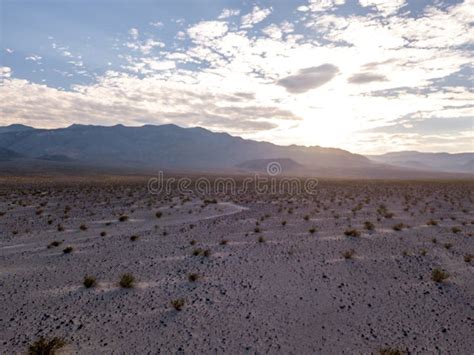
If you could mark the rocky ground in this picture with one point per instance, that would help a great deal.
(347, 270)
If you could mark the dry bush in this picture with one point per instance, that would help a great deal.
(89, 281)
(438, 275)
(352, 233)
(44, 346)
(178, 304)
(127, 281)
(348, 254)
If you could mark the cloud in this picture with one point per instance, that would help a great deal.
(9, 50)
(386, 8)
(226, 13)
(321, 5)
(146, 46)
(34, 58)
(364, 78)
(157, 24)
(5, 72)
(207, 30)
(133, 32)
(309, 78)
(257, 15)
(118, 97)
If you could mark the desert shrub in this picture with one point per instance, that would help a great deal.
(352, 233)
(468, 258)
(2, 213)
(261, 240)
(60, 228)
(369, 225)
(158, 214)
(398, 227)
(423, 252)
(448, 245)
(193, 277)
(283, 223)
(134, 238)
(197, 252)
(103, 234)
(192, 242)
(348, 254)
(68, 250)
(306, 218)
(438, 275)
(455, 230)
(223, 242)
(178, 304)
(123, 218)
(127, 281)
(312, 230)
(55, 243)
(434, 240)
(44, 346)
(432, 222)
(89, 281)
(83, 227)
(202, 252)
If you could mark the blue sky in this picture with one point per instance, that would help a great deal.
(365, 75)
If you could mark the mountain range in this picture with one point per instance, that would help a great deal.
(461, 162)
(170, 147)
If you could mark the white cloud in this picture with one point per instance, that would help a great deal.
(9, 50)
(5, 72)
(257, 15)
(133, 32)
(226, 13)
(323, 5)
(156, 24)
(207, 30)
(34, 58)
(273, 31)
(385, 7)
(146, 46)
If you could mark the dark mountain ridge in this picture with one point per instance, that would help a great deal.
(170, 147)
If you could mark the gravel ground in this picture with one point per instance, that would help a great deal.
(271, 275)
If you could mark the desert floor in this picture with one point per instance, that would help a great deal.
(271, 275)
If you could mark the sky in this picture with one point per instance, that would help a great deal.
(369, 76)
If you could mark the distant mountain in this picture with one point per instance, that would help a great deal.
(461, 162)
(8, 155)
(86, 148)
(15, 128)
(165, 146)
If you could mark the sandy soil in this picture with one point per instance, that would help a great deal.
(270, 288)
